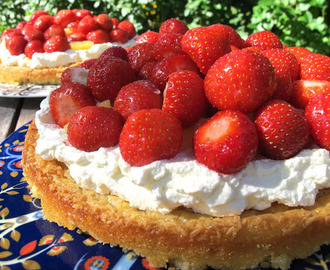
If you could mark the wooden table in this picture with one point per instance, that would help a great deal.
(15, 112)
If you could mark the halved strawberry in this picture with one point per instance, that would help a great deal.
(136, 96)
(283, 131)
(205, 45)
(265, 40)
(150, 135)
(76, 74)
(184, 97)
(241, 80)
(227, 142)
(304, 90)
(317, 113)
(67, 99)
(93, 127)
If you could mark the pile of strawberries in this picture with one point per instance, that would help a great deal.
(46, 33)
(257, 95)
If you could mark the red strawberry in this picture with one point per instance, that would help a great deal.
(56, 44)
(87, 64)
(98, 36)
(86, 24)
(173, 26)
(118, 35)
(140, 54)
(284, 59)
(115, 51)
(304, 90)
(128, 27)
(33, 46)
(107, 76)
(76, 36)
(93, 127)
(283, 131)
(234, 38)
(167, 45)
(20, 25)
(184, 97)
(74, 74)
(265, 40)
(9, 33)
(145, 72)
(64, 17)
(104, 22)
(136, 96)
(227, 142)
(315, 67)
(54, 30)
(241, 80)
(15, 44)
(31, 33)
(81, 13)
(205, 45)
(150, 135)
(37, 14)
(67, 99)
(298, 52)
(317, 113)
(149, 36)
(169, 65)
(43, 22)
(115, 21)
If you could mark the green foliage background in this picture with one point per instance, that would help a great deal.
(297, 22)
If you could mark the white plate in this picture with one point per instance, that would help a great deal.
(30, 91)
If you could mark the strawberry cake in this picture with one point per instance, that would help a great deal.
(39, 50)
(194, 149)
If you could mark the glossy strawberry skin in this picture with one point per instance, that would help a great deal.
(140, 54)
(115, 51)
(150, 135)
(138, 95)
(304, 90)
(184, 97)
(104, 22)
(54, 30)
(298, 52)
(93, 127)
(86, 25)
(107, 76)
(315, 67)
(173, 25)
(43, 22)
(128, 27)
(241, 80)
(149, 36)
(234, 38)
(64, 17)
(33, 46)
(264, 39)
(67, 99)
(167, 45)
(118, 35)
(98, 36)
(56, 44)
(227, 142)
(205, 45)
(15, 44)
(317, 113)
(283, 131)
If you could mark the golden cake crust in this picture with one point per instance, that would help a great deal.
(24, 75)
(182, 238)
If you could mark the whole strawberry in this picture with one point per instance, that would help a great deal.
(317, 113)
(227, 142)
(93, 127)
(67, 99)
(264, 39)
(107, 76)
(315, 66)
(241, 80)
(283, 131)
(150, 135)
(184, 97)
(205, 45)
(136, 96)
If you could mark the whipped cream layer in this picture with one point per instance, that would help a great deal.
(57, 59)
(167, 184)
